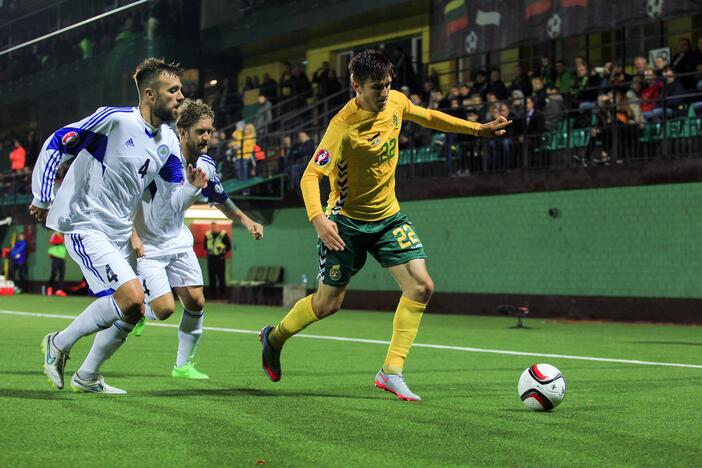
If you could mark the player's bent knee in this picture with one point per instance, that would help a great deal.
(424, 290)
(164, 313)
(130, 299)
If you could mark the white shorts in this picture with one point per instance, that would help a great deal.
(103, 264)
(159, 274)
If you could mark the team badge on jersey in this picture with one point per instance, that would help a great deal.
(163, 151)
(395, 121)
(218, 188)
(335, 272)
(322, 157)
(70, 139)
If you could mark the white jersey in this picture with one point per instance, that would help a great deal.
(160, 220)
(118, 154)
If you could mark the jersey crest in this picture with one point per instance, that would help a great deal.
(322, 157)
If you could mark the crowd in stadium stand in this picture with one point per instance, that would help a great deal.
(610, 102)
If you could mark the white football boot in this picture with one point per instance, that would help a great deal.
(395, 383)
(94, 386)
(54, 360)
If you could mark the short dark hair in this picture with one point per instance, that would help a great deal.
(190, 112)
(370, 64)
(148, 71)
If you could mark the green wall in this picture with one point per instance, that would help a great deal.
(633, 241)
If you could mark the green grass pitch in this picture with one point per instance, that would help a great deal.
(326, 412)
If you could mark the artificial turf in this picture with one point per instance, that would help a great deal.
(326, 412)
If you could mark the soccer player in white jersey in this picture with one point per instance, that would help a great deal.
(164, 244)
(118, 152)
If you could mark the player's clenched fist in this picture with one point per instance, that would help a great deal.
(38, 213)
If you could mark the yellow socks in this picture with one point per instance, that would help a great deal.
(297, 319)
(404, 330)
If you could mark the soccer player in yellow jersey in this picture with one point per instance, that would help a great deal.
(359, 155)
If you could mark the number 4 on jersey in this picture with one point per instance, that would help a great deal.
(144, 168)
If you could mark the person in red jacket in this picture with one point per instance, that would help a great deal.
(57, 254)
(650, 93)
(18, 157)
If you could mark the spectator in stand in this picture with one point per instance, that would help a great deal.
(674, 106)
(406, 91)
(248, 84)
(333, 88)
(640, 65)
(521, 81)
(264, 114)
(255, 82)
(539, 93)
(285, 157)
(427, 89)
(259, 161)
(555, 110)
(57, 255)
(649, 94)
(18, 263)
(684, 62)
(18, 157)
(321, 79)
(269, 87)
(547, 72)
(300, 157)
(601, 132)
(33, 147)
(530, 129)
(660, 63)
(480, 85)
(585, 92)
(496, 86)
(564, 78)
(517, 108)
(404, 71)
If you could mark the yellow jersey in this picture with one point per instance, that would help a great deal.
(359, 153)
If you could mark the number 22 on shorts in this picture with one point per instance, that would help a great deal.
(405, 236)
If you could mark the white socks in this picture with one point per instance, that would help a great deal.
(99, 315)
(105, 344)
(189, 334)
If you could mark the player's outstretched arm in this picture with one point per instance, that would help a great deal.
(495, 128)
(443, 122)
(231, 211)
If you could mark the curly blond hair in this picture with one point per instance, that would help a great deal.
(190, 112)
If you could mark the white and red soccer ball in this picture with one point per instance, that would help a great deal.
(541, 387)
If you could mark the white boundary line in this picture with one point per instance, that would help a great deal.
(382, 342)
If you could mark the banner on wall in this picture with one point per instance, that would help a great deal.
(465, 27)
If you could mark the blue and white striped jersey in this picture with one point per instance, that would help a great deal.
(160, 220)
(117, 155)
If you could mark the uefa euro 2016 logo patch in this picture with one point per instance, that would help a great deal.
(70, 139)
(163, 151)
(322, 157)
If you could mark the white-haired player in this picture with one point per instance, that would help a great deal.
(118, 152)
(164, 244)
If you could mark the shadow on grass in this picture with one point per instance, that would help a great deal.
(255, 392)
(34, 394)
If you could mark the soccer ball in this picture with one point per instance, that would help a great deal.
(471, 42)
(553, 26)
(654, 8)
(541, 387)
